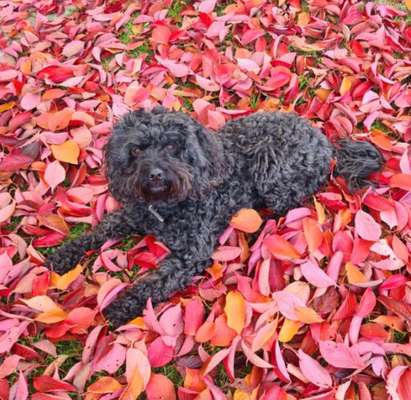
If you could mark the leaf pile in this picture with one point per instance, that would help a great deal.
(317, 306)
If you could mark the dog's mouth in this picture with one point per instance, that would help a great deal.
(155, 191)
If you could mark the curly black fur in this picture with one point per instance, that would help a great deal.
(196, 180)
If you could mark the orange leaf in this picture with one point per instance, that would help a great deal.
(307, 315)
(52, 94)
(223, 334)
(312, 233)
(288, 330)
(303, 19)
(51, 317)
(194, 380)
(106, 384)
(134, 388)
(62, 282)
(391, 321)
(25, 66)
(354, 275)
(408, 4)
(247, 220)
(381, 140)
(55, 121)
(205, 332)
(7, 106)
(322, 94)
(281, 248)
(160, 387)
(235, 311)
(346, 85)
(402, 181)
(68, 151)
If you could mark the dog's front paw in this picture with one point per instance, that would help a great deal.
(63, 259)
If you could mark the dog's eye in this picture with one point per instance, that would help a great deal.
(136, 150)
(171, 148)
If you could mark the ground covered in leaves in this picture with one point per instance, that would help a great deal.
(316, 305)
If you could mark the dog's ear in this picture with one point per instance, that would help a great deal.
(206, 153)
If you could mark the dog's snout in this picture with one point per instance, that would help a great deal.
(156, 174)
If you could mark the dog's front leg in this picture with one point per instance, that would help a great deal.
(114, 226)
(173, 275)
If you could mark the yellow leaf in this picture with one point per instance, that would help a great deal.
(235, 311)
(7, 106)
(288, 330)
(320, 211)
(322, 94)
(139, 322)
(51, 317)
(41, 303)
(247, 220)
(134, 388)
(240, 395)
(354, 275)
(307, 315)
(66, 152)
(346, 85)
(62, 282)
(303, 19)
(106, 384)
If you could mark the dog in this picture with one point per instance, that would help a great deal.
(181, 183)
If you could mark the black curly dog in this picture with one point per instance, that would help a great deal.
(181, 183)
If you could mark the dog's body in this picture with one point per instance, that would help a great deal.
(182, 184)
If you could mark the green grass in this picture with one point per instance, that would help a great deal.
(126, 34)
(400, 337)
(170, 371)
(177, 8)
(254, 100)
(400, 5)
(70, 10)
(78, 230)
(187, 104)
(12, 225)
(145, 48)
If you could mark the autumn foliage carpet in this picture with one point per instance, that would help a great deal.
(315, 305)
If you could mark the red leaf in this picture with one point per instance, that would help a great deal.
(55, 73)
(46, 383)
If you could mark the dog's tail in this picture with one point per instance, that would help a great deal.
(356, 161)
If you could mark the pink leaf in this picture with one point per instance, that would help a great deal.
(313, 371)
(159, 354)
(253, 358)
(226, 253)
(172, 321)
(193, 316)
(54, 174)
(20, 390)
(215, 360)
(367, 303)
(340, 355)
(30, 101)
(207, 6)
(315, 275)
(366, 227)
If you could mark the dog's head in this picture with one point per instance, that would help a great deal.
(161, 156)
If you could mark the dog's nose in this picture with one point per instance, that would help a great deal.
(156, 174)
